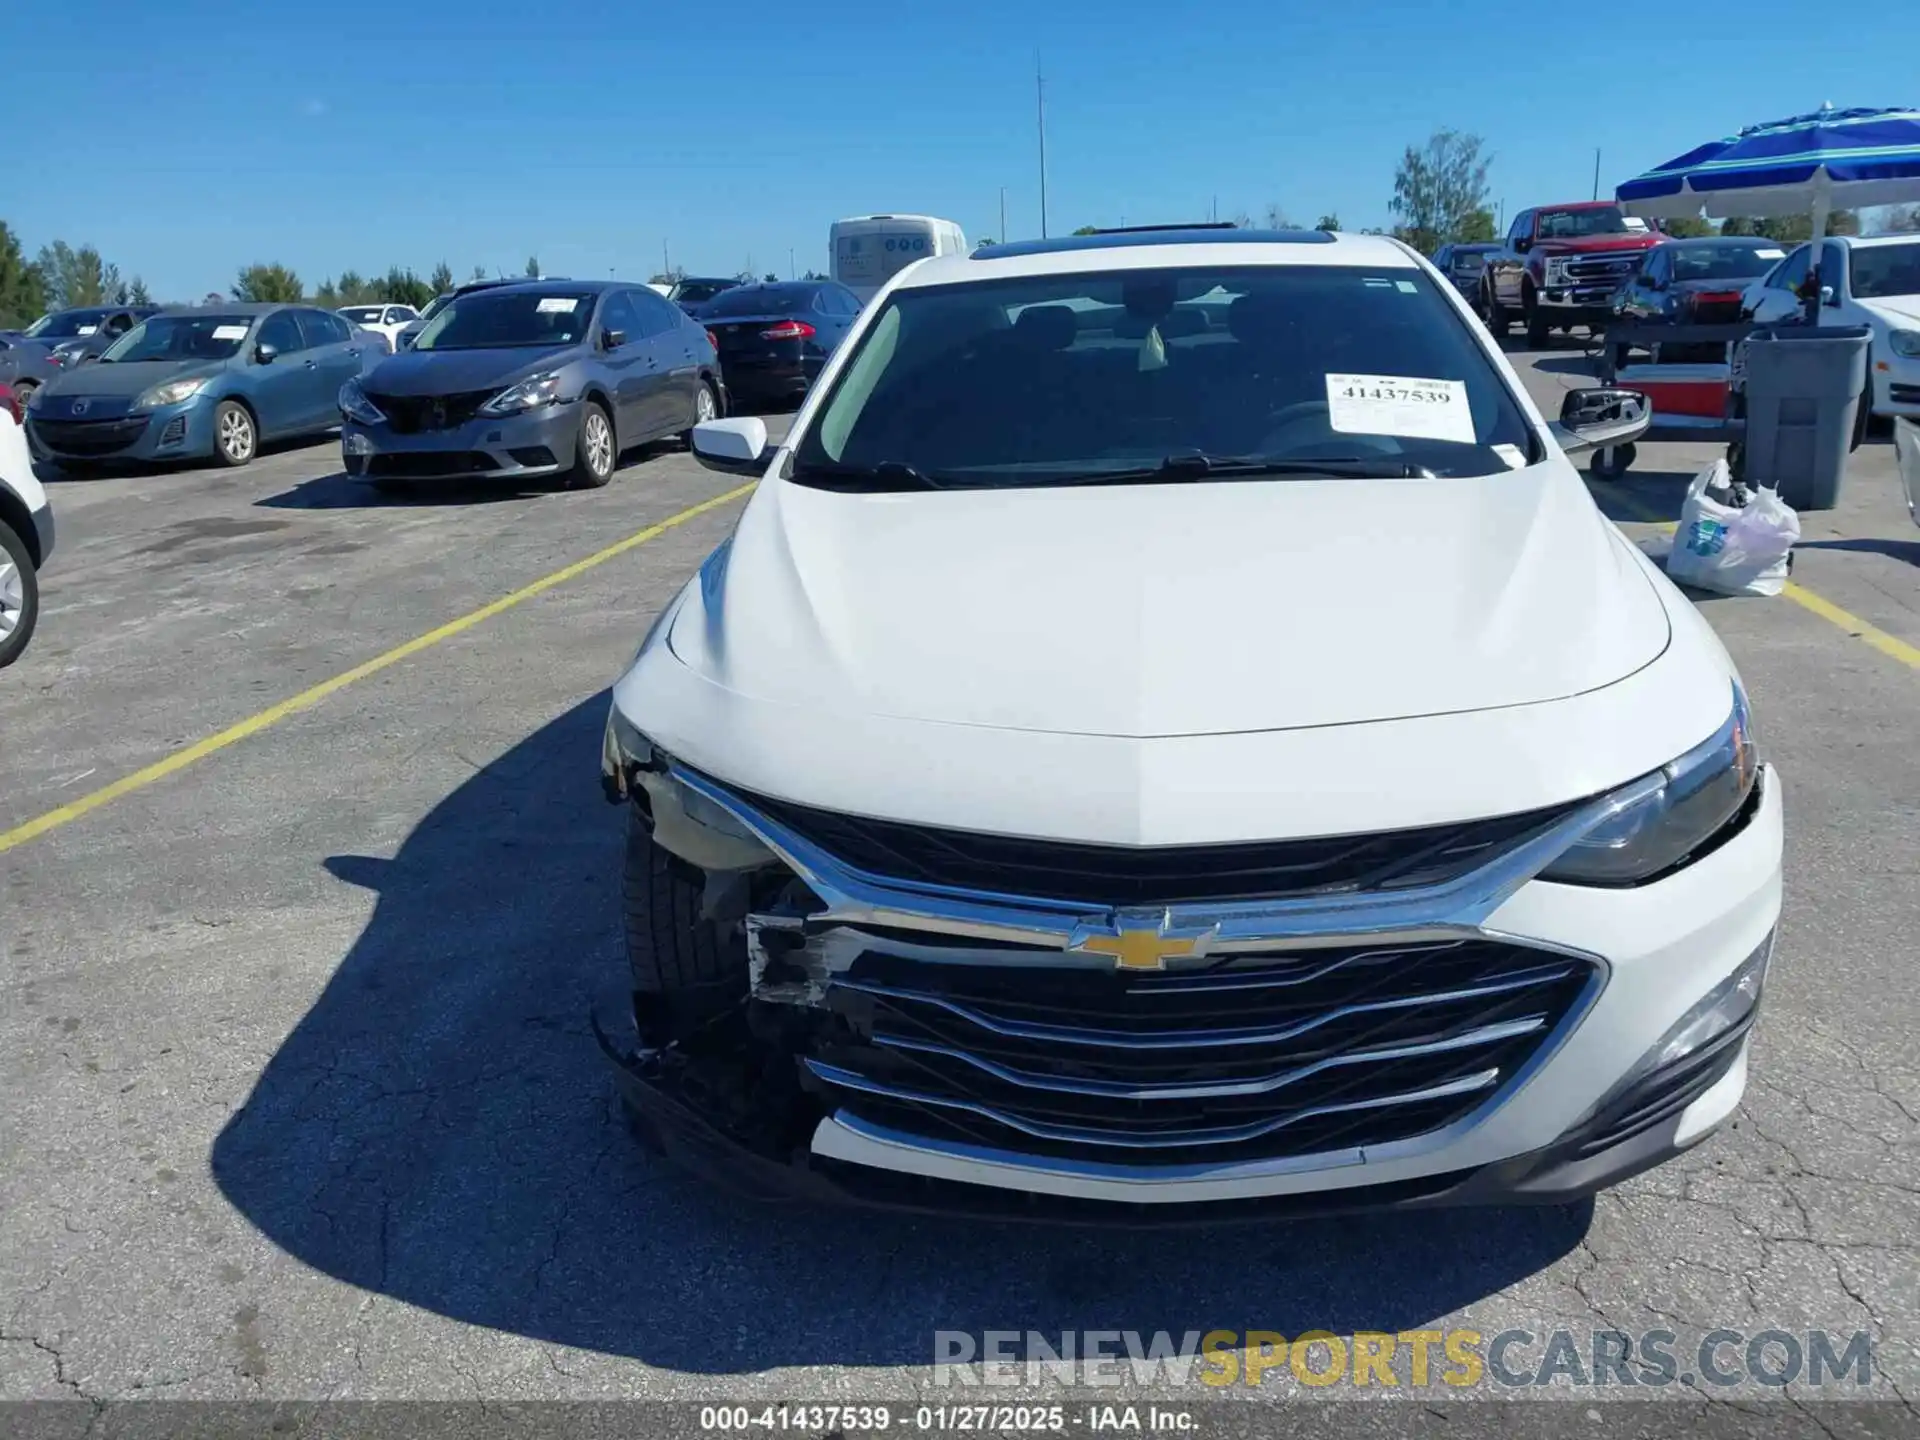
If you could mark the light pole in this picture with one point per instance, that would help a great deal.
(1003, 214)
(791, 275)
(1040, 101)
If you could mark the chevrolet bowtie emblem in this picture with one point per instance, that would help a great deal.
(1142, 942)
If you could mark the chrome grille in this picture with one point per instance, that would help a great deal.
(1253, 1058)
(1591, 269)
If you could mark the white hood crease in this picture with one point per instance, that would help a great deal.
(1169, 610)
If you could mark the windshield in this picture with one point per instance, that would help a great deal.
(1469, 262)
(509, 319)
(1577, 224)
(181, 337)
(1882, 271)
(761, 300)
(67, 324)
(696, 292)
(1073, 378)
(435, 306)
(363, 314)
(1722, 262)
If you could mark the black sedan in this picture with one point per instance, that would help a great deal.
(774, 340)
(1694, 282)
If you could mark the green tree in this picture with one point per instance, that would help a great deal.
(772, 279)
(533, 267)
(327, 295)
(1088, 230)
(1686, 227)
(1739, 225)
(261, 282)
(1329, 221)
(1277, 218)
(1438, 187)
(816, 275)
(988, 240)
(479, 272)
(1479, 227)
(23, 296)
(76, 277)
(442, 278)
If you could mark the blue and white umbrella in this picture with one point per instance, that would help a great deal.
(1811, 164)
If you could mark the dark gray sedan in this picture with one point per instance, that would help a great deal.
(25, 364)
(548, 377)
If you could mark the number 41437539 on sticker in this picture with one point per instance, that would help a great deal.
(1406, 406)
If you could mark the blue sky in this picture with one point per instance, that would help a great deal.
(187, 139)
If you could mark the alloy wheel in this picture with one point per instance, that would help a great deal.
(13, 597)
(236, 434)
(598, 438)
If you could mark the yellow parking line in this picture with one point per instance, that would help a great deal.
(274, 714)
(1889, 645)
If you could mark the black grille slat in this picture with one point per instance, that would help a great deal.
(90, 437)
(418, 414)
(1127, 875)
(1332, 1076)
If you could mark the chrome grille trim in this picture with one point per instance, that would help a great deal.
(1188, 1039)
(1068, 1134)
(1459, 906)
(1259, 1085)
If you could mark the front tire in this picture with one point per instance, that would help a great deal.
(19, 596)
(235, 436)
(596, 450)
(1538, 331)
(685, 973)
(1498, 320)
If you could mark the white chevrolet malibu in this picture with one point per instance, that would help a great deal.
(1171, 736)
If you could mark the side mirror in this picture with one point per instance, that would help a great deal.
(1523, 245)
(613, 339)
(264, 354)
(1602, 417)
(733, 447)
(1828, 298)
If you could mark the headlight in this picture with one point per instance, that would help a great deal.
(1669, 814)
(1905, 342)
(529, 394)
(170, 393)
(355, 405)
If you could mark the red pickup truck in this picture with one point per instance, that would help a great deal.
(1561, 266)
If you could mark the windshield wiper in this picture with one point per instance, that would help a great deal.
(887, 475)
(1196, 466)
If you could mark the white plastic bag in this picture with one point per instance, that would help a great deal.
(1731, 549)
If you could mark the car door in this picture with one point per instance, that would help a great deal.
(1839, 307)
(1777, 298)
(674, 360)
(336, 353)
(624, 366)
(1507, 268)
(847, 304)
(1645, 296)
(281, 388)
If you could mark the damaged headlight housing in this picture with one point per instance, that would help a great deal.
(1672, 813)
(682, 819)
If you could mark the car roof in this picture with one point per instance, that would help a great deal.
(1871, 242)
(1161, 250)
(1758, 242)
(241, 307)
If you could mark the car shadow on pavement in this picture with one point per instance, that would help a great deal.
(440, 1128)
(341, 491)
(1907, 550)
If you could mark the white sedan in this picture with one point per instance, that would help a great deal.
(384, 320)
(1872, 281)
(1170, 735)
(26, 534)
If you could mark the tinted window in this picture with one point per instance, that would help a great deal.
(67, 324)
(1883, 270)
(1720, 262)
(118, 324)
(400, 314)
(698, 292)
(1058, 379)
(281, 332)
(1575, 224)
(657, 316)
(182, 337)
(1792, 274)
(363, 314)
(616, 313)
(489, 319)
(1522, 226)
(762, 300)
(323, 329)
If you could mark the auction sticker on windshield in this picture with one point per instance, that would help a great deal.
(557, 304)
(1404, 405)
(229, 332)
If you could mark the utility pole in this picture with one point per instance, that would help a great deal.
(1003, 214)
(1214, 211)
(666, 263)
(1596, 172)
(792, 274)
(1040, 101)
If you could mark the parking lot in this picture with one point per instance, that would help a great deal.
(307, 891)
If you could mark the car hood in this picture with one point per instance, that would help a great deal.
(120, 380)
(1898, 310)
(454, 372)
(1160, 610)
(1589, 244)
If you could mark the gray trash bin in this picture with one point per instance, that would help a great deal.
(1803, 392)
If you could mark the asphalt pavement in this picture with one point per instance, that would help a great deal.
(299, 1095)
